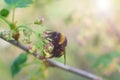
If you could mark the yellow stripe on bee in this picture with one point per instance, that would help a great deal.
(62, 38)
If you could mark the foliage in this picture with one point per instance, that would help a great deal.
(4, 12)
(16, 65)
(18, 3)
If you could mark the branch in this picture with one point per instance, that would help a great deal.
(55, 63)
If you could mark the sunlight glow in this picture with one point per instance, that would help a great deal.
(103, 5)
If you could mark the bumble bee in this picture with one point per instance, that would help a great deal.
(57, 43)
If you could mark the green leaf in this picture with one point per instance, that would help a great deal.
(4, 12)
(16, 65)
(15, 69)
(18, 3)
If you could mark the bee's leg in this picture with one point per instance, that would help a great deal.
(64, 58)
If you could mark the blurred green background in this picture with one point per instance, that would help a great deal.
(93, 33)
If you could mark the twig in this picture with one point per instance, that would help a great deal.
(55, 63)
